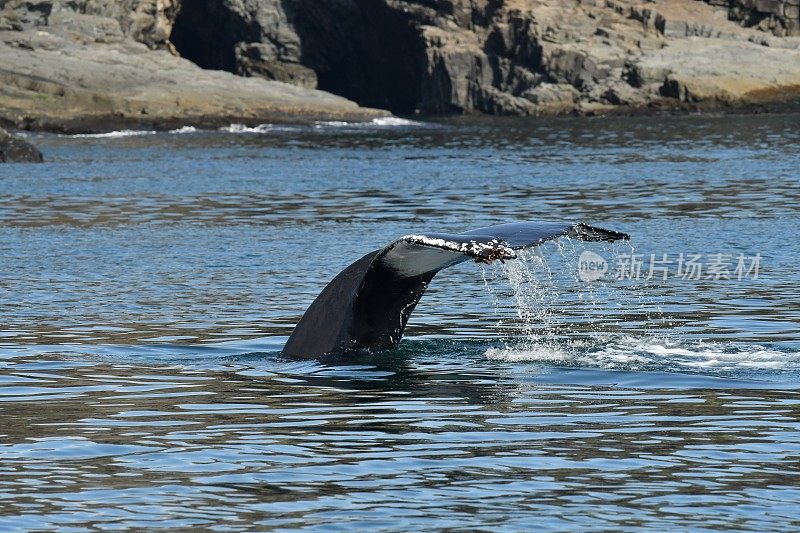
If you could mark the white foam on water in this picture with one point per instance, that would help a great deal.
(381, 122)
(261, 128)
(540, 353)
(333, 124)
(647, 353)
(184, 129)
(395, 121)
(241, 128)
(114, 134)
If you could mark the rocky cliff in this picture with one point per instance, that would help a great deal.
(117, 60)
(102, 21)
(86, 65)
(507, 56)
(781, 17)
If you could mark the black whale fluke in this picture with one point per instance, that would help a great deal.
(367, 305)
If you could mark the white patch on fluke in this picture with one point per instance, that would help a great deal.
(472, 248)
(416, 254)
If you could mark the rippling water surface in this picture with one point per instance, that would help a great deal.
(148, 283)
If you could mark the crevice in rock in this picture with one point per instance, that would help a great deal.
(363, 50)
(373, 54)
(206, 32)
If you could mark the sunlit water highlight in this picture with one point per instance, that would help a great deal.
(149, 281)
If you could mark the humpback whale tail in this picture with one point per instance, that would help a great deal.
(367, 305)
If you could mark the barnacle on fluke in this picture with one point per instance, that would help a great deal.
(367, 305)
(480, 252)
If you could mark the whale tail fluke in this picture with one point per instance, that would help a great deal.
(367, 305)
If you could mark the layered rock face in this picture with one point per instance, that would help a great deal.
(507, 56)
(88, 65)
(369, 50)
(95, 64)
(781, 17)
(146, 21)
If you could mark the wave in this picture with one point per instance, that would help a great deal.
(395, 121)
(376, 123)
(380, 122)
(130, 133)
(184, 129)
(241, 128)
(261, 128)
(115, 134)
(631, 353)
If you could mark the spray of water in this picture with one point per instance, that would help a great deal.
(548, 314)
(547, 311)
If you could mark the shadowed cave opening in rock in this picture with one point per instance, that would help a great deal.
(360, 49)
(206, 33)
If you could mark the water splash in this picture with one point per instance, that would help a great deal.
(546, 312)
(534, 291)
(651, 353)
(549, 298)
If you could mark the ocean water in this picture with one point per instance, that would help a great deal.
(149, 280)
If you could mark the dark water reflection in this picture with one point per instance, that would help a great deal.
(405, 442)
(147, 285)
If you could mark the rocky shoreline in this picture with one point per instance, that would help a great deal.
(96, 65)
(74, 88)
(86, 66)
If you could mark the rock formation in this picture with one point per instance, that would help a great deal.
(508, 56)
(85, 65)
(368, 50)
(781, 17)
(16, 150)
(78, 64)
